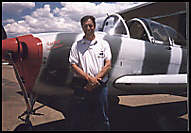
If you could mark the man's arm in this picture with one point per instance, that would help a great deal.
(79, 71)
(99, 76)
(84, 75)
(104, 70)
(92, 81)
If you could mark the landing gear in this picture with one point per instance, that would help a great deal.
(29, 99)
(24, 127)
(27, 125)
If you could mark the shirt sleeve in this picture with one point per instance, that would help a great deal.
(108, 55)
(73, 58)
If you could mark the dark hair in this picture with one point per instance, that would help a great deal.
(85, 18)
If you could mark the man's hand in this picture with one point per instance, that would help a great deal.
(92, 80)
(92, 83)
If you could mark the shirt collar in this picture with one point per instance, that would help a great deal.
(93, 42)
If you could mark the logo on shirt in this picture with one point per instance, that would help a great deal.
(101, 55)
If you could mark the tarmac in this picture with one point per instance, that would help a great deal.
(156, 112)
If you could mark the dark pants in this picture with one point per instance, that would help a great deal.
(89, 110)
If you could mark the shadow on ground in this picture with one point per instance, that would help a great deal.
(158, 117)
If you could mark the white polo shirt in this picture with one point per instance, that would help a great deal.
(90, 56)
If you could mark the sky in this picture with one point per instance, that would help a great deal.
(20, 18)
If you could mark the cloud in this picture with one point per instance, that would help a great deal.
(67, 18)
(43, 12)
(16, 7)
(78, 9)
(9, 21)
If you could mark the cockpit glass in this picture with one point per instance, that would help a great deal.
(178, 39)
(113, 25)
(109, 24)
(137, 30)
(159, 32)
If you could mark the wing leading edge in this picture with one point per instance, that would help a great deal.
(152, 84)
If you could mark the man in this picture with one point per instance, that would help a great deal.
(90, 58)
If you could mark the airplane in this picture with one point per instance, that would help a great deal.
(147, 57)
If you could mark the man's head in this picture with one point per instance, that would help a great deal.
(88, 24)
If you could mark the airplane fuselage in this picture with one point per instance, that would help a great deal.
(129, 57)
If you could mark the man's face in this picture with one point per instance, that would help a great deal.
(88, 27)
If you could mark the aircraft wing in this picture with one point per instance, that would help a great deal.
(153, 79)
